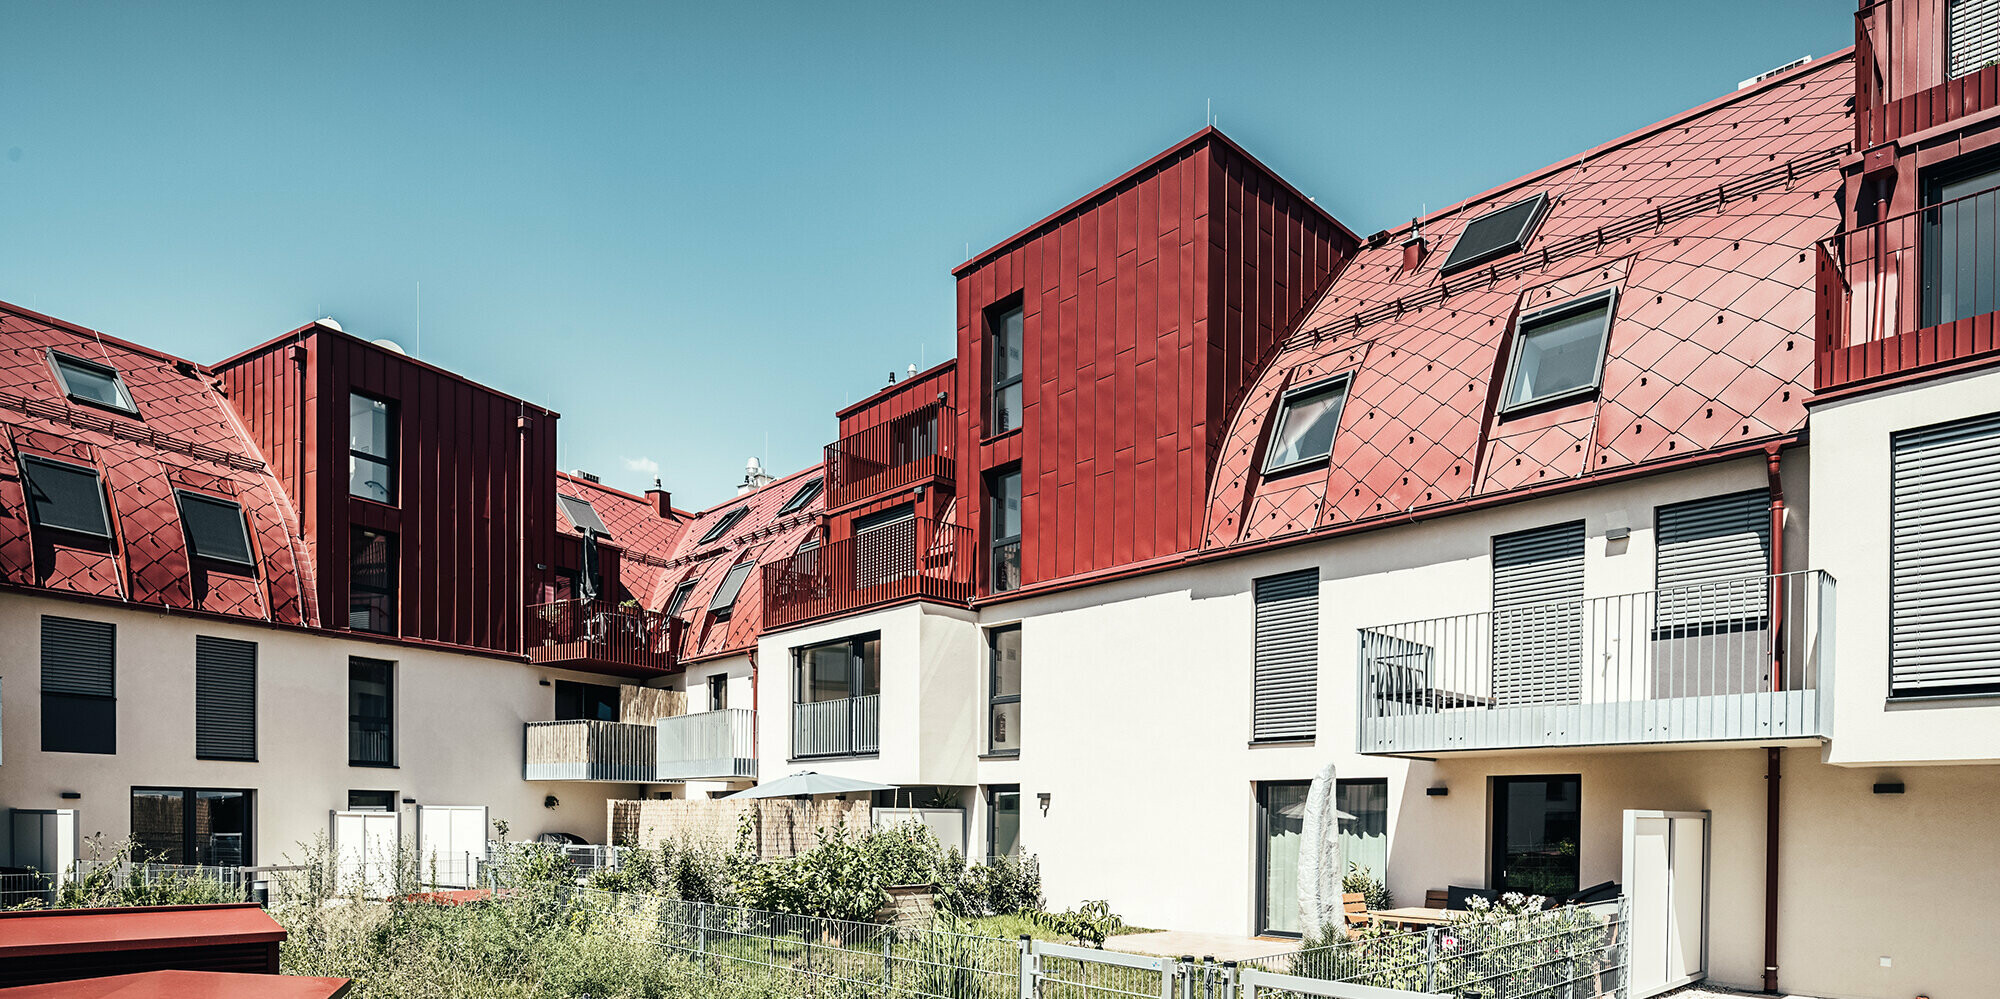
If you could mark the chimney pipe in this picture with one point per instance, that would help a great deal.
(663, 501)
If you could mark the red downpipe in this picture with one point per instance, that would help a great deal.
(1777, 569)
(1771, 869)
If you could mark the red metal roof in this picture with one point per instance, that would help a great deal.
(43, 932)
(187, 985)
(1704, 223)
(761, 536)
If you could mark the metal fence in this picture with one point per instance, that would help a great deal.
(846, 726)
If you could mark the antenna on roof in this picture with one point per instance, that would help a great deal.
(417, 346)
(1208, 113)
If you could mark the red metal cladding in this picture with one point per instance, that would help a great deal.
(915, 559)
(1904, 78)
(1147, 308)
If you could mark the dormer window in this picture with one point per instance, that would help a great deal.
(1559, 351)
(92, 384)
(65, 497)
(724, 600)
(583, 515)
(215, 530)
(681, 594)
(1494, 234)
(1305, 423)
(721, 527)
(805, 495)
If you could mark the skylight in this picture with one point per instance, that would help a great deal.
(65, 497)
(582, 514)
(1494, 234)
(1306, 421)
(724, 600)
(92, 384)
(1559, 351)
(802, 497)
(721, 527)
(681, 594)
(215, 529)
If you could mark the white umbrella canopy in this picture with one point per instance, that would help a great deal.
(807, 784)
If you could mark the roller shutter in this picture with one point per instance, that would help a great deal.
(1714, 557)
(79, 657)
(1538, 615)
(1944, 559)
(885, 547)
(1974, 35)
(225, 699)
(1285, 696)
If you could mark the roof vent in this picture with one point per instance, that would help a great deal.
(754, 477)
(585, 476)
(1767, 74)
(330, 323)
(391, 346)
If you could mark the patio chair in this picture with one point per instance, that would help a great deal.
(1436, 898)
(1355, 906)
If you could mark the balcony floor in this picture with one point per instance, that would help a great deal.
(1764, 718)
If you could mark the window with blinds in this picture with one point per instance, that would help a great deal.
(1285, 666)
(1538, 615)
(79, 686)
(885, 547)
(1714, 563)
(225, 699)
(1944, 559)
(1972, 39)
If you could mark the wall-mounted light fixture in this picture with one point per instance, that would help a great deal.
(1617, 533)
(71, 795)
(545, 683)
(1043, 798)
(1889, 787)
(1438, 791)
(409, 801)
(551, 801)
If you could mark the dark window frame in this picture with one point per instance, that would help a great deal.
(994, 700)
(248, 564)
(392, 437)
(1496, 835)
(854, 643)
(741, 573)
(388, 716)
(564, 500)
(1345, 383)
(388, 798)
(1507, 247)
(1933, 254)
(995, 503)
(28, 461)
(805, 494)
(190, 851)
(993, 793)
(677, 601)
(721, 528)
(58, 358)
(718, 692)
(392, 592)
(1604, 298)
(995, 386)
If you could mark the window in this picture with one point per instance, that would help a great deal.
(1972, 36)
(1494, 234)
(215, 530)
(1944, 541)
(1364, 824)
(834, 671)
(1306, 421)
(1003, 691)
(1363, 807)
(718, 692)
(1559, 351)
(724, 601)
(681, 594)
(722, 526)
(1003, 821)
(1285, 664)
(1003, 331)
(1004, 514)
(79, 686)
(371, 459)
(371, 713)
(371, 597)
(1537, 826)
(582, 514)
(371, 801)
(591, 701)
(65, 497)
(91, 383)
(805, 495)
(1961, 235)
(177, 825)
(225, 699)
(885, 546)
(1538, 616)
(1712, 573)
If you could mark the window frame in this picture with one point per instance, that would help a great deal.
(249, 563)
(1451, 265)
(1016, 302)
(353, 793)
(994, 540)
(994, 700)
(993, 793)
(677, 600)
(256, 702)
(579, 695)
(854, 644)
(748, 568)
(721, 528)
(56, 361)
(388, 715)
(564, 500)
(1607, 298)
(394, 592)
(96, 477)
(392, 411)
(190, 854)
(1345, 382)
(106, 703)
(806, 494)
(718, 691)
(1499, 821)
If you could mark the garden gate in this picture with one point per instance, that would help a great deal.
(364, 850)
(451, 840)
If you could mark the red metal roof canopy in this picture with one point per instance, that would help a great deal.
(187, 985)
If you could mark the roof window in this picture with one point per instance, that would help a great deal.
(1494, 234)
(681, 594)
(65, 497)
(805, 495)
(721, 527)
(215, 529)
(582, 514)
(91, 383)
(724, 600)
(1559, 351)
(1306, 421)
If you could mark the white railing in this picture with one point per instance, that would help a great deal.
(586, 749)
(849, 726)
(710, 745)
(1742, 659)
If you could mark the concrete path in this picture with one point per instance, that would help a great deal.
(1221, 946)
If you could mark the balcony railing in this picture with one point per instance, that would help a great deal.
(711, 745)
(914, 558)
(590, 750)
(904, 451)
(1911, 291)
(1745, 659)
(850, 726)
(1914, 69)
(601, 637)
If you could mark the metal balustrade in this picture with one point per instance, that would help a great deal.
(1741, 659)
(901, 452)
(848, 726)
(586, 749)
(918, 557)
(601, 636)
(710, 745)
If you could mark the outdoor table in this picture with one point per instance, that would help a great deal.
(1413, 915)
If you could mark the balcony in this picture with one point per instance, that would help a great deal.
(1906, 81)
(1909, 292)
(590, 750)
(1744, 659)
(915, 558)
(712, 745)
(900, 453)
(601, 638)
(848, 726)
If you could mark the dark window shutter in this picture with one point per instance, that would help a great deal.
(79, 657)
(1714, 555)
(1538, 615)
(1285, 698)
(1944, 559)
(225, 699)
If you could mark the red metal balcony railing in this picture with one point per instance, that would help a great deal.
(1908, 292)
(1921, 63)
(914, 558)
(904, 451)
(602, 637)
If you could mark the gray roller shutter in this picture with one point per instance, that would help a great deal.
(1974, 35)
(1538, 615)
(1944, 559)
(1286, 668)
(79, 657)
(225, 699)
(885, 547)
(1714, 557)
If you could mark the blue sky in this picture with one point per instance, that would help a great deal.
(693, 228)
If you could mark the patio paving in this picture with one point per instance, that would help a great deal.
(1221, 946)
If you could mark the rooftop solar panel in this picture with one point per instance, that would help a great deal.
(1494, 234)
